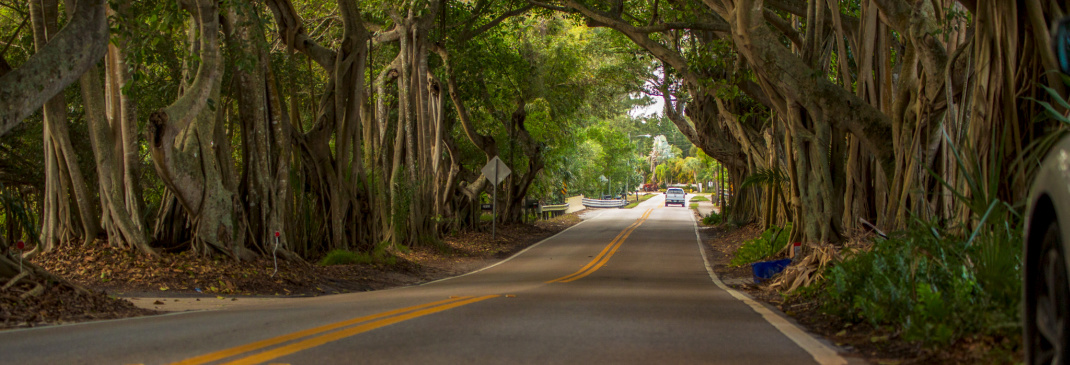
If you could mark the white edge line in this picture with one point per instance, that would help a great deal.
(511, 257)
(822, 353)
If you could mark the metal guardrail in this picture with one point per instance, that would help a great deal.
(548, 211)
(554, 208)
(600, 203)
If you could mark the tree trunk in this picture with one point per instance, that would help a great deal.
(264, 187)
(190, 152)
(64, 180)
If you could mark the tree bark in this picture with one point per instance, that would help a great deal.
(72, 51)
(190, 152)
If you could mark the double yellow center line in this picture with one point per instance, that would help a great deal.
(363, 324)
(607, 252)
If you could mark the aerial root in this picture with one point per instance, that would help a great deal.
(37, 290)
(15, 280)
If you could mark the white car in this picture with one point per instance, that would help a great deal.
(1046, 320)
(675, 196)
(1045, 288)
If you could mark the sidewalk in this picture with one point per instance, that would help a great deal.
(704, 208)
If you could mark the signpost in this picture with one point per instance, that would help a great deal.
(22, 247)
(495, 171)
(273, 258)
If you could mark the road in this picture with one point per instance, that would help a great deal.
(628, 286)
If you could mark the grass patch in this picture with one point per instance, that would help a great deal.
(693, 206)
(699, 198)
(379, 255)
(642, 198)
(486, 217)
(758, 249)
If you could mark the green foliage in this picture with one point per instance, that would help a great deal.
(758, 249)
(344, 257)
(16, 215)
(936, 287)
(711, 219)
(765, 177)
(378, 255)
(642, 198)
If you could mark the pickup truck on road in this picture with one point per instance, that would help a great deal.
(675, 196)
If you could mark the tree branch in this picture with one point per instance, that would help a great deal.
(484, 143)
(795, 80)
(294, 35)
(76, 48)
(467, 35)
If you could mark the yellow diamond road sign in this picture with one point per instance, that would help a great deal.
(496, 171)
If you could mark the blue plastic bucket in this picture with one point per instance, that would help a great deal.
(767, 269)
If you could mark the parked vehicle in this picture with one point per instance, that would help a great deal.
(1045, 290)
(675, 196)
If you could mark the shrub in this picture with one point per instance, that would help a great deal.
(936, 287)
(711, 219)
(379, 255)
(758, 249)
(345, 257)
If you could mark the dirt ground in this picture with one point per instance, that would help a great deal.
(115, 279)
(875, 345)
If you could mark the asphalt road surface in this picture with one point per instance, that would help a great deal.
(628, 286)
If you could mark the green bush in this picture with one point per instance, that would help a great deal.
(936, 288)
(345, 257)
(379, 255)
(758, 249)
(486, 217)
(711, 219)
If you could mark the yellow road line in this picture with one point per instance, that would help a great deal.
(234, 351)
(600, 254)
(338, 335)
(607, 252)
(605, 260)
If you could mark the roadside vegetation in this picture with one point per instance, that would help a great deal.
(771, 241)
(346, 257)
(642, 198)
(712, 219)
